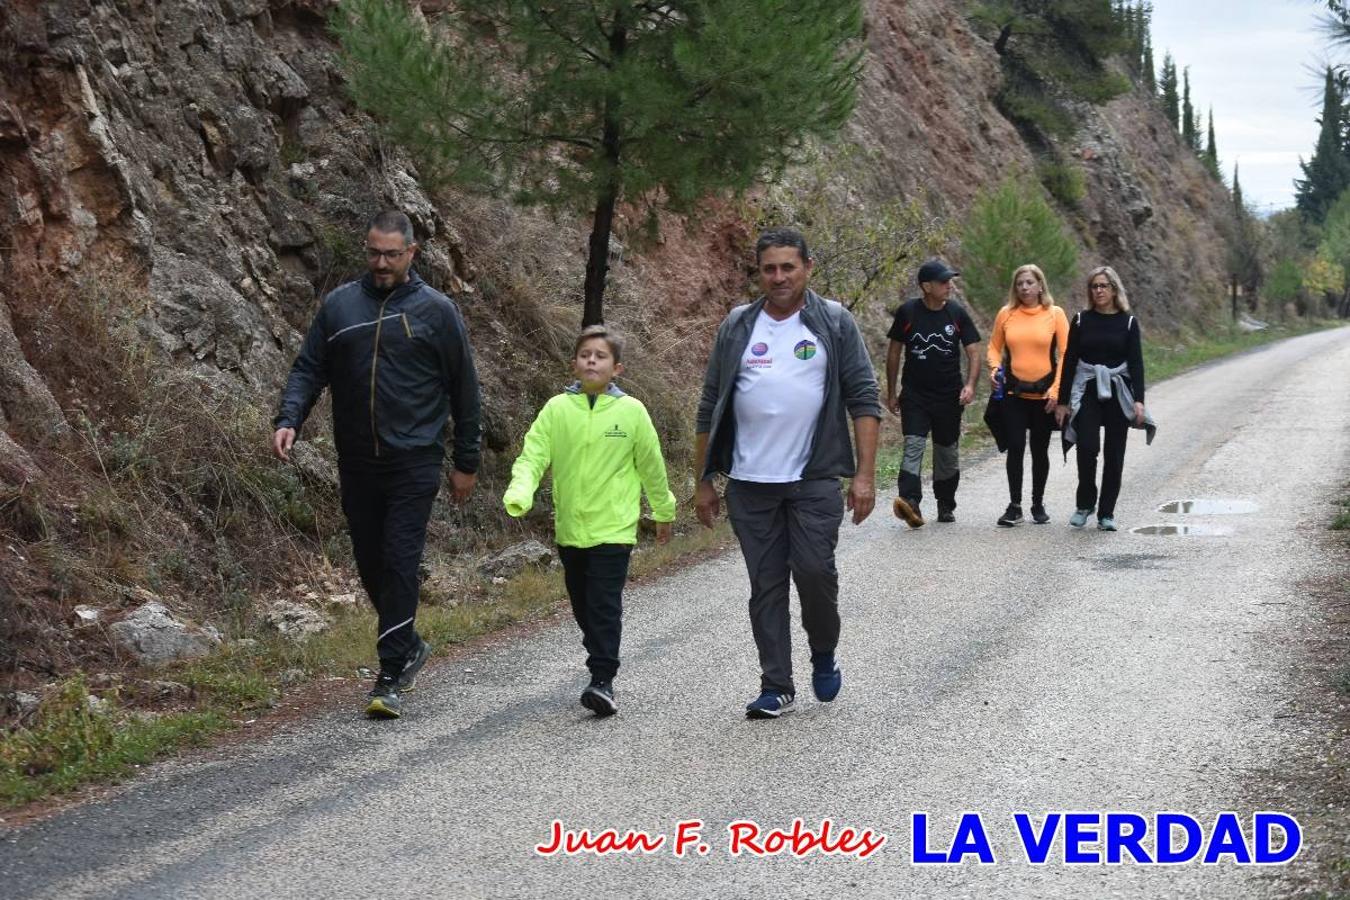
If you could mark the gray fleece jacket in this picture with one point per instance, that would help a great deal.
(851, 389)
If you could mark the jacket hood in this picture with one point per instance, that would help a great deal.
(611, 390)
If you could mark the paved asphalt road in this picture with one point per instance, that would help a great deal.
(1037, 669)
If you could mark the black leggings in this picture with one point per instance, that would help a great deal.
(1021, 416)
(1093, 416)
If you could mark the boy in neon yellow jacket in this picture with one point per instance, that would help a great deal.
(604, 453)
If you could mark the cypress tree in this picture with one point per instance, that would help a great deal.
(1211, 156)
(1170, 101)
(592, 103)
(1327, 174)
(1189, 135)
(1150, 78)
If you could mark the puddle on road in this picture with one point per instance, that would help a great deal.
(1203, 530)
(1206, 507)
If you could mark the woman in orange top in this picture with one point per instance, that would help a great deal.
(1027, 344)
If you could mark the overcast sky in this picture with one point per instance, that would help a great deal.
(1255, 62)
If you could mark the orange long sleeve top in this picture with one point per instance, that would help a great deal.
(1028, 334)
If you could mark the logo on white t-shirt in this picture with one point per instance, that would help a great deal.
(759, 357)
(804, 349)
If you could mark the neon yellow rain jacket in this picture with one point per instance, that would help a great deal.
(603, 457)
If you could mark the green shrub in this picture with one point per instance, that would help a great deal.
(1010, 226)
(1063, 180)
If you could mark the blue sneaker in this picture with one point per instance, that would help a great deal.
(768, 705)
(1079, 517)
(1106, 523)
(826, 678)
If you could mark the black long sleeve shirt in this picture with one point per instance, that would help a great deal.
(1104, 339)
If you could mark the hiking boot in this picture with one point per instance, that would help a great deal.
(407, 679)
(599, 698)
(383, 701)
(1106, 523)
(768, 705)
(1079, 517)
(826, 678)
(1038, 514)
(1011, 516)
(946, 513)
(909, 511)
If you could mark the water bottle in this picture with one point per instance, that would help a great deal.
(998, 383)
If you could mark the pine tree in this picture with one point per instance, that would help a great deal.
(1007, 226)
(1211, 157)
(1189, 133)
(1170, 101)
(1327, 174)
(587, 104)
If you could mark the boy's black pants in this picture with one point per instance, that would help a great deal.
(595, 577)
(387, 513)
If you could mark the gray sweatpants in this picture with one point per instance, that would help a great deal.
(788, 528)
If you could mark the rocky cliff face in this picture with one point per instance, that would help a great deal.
(183, 179)
(1150, 211)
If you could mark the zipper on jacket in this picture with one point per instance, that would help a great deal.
(406, 330)
(374, 362)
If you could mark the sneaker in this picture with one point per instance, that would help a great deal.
(1106, 523)
(599, 698)
(768, 705)
(407, 679)
(826, 679)
(382, 701)
(1079, 517)
(945, 513)
(1038, 514)
(1011, 516)
(908, 510)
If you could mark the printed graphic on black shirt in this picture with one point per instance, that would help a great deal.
(933, 342)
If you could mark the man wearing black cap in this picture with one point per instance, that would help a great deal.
(929, 329)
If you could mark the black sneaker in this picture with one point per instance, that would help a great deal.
(1038, 514)
(946, 513)
(382, 701)
(407, 679)
(599, 698)
(1011, 516)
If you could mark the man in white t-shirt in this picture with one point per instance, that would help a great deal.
(785, 375)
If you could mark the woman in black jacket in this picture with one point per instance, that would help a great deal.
(1104, 353)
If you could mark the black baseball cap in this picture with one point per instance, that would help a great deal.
(936, 270)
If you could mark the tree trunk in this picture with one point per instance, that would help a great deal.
(1233, 287)
(597, 261)
(1001, 44)
(607, 195)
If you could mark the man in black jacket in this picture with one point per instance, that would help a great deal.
(395, 354)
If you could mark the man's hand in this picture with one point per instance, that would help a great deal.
(892, 405)
(461, 485)
(282, 441)
(967, 395)
(706, 503)
(862, 497)
(663, 531)
(1139, 414)
(1061, 415)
